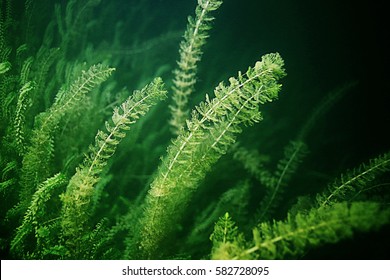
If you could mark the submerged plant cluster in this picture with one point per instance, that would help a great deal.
(93, 170)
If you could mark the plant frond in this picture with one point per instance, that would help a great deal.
(123, 117)
(190, 54)
(5, 66)
(7, 178)
(81, 187)
(286, 167)
(292, 237)
(226, 239)
(36, 161)
(325, 105)
(36, 212)
(355, 180)
(225, 230)
(253, 162)
(88, 80)
(19, 121)
(211, 130)
(25, 71)
(234, 200)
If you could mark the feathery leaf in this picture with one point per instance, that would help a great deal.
(211, 130)
(190, 54)
(355, 180)
(80, 190)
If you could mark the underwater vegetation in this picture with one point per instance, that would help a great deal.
(128, 135)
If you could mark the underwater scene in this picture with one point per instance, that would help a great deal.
(198, 129)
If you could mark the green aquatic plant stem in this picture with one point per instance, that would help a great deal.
(211, 130)
(37, 159)
(292, 237)
(19, 120)
(317, 227)
(190, 54)
(286, 167)
(35, 214)
(355, 180)
(77, 198)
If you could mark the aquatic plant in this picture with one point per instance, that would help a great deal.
(81, 176)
